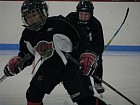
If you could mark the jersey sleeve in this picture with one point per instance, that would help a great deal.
(97, 44)
(23, 50)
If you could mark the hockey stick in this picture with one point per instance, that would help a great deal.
(28, 56)
(117, 30)
(68, 56)
(35, 64)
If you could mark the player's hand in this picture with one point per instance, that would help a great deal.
(11, 68)
(88, 63)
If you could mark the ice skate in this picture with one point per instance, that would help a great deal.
(99, 88)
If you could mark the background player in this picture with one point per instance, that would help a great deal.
(94, 33)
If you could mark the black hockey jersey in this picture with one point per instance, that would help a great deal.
(57, 37)
(93, 31)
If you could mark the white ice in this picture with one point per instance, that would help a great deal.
(121, 70)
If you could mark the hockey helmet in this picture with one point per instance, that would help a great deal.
(85, 6)
(34, 14)
(85, 11)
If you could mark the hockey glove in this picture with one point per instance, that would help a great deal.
(88, 63)
(11, 69)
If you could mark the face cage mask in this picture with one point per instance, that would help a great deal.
(39, 24)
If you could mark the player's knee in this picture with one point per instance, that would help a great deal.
(91, 100)
(32, 103)
(34, 95)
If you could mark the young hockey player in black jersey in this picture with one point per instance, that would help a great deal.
(51, 38)
(94, 33)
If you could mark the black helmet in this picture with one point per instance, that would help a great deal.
(85, 6)
(32, 7)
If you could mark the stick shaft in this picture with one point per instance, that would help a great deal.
(118, 29)
(3, 78)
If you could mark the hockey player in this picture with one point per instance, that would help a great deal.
(93, 29)
(51, 37)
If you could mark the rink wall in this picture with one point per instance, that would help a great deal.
(110, 13)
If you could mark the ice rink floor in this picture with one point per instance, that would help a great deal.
(121, 70)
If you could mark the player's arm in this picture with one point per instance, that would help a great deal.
(98, 38)
(11, 67)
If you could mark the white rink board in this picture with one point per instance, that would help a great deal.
(110, 14)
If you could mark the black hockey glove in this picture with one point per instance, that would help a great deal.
(11, 69)
(89, 63)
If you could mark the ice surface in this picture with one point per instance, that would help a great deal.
(121, 70)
